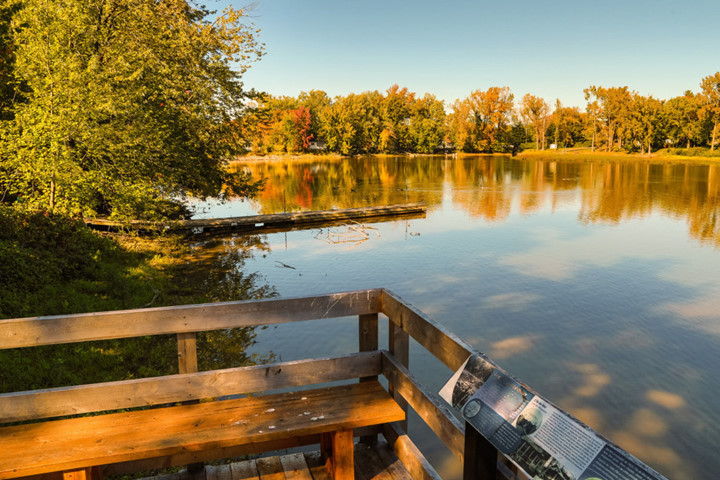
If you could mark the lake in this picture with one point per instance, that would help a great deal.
(595, 280)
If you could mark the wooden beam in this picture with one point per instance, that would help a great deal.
(340, 461)
(447, 347)
(399, 343)
(480, 456)
(187, 352)
(27, 332)
(56, 402)
(408, 453)
(261, 223)
(433, 410)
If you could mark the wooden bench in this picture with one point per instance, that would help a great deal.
(74, 448)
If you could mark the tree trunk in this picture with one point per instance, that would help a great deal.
(712, 142)
(52, 195)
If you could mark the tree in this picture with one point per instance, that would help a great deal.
(710, 86)
(645, 121)
(535, 111)
(427, 124)
(129, 106)
(593, 110)
(491, 111)
(682, 119)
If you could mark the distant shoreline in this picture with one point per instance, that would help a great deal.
(570, 153)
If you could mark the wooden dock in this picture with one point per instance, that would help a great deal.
(267, 223)
(219, 415)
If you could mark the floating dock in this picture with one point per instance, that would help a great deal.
(267, 223)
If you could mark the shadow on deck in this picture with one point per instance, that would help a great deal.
(372, 462)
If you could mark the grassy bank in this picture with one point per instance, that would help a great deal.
(668, 155)
(51, 264)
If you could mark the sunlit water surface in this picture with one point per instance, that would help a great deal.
(596, 281)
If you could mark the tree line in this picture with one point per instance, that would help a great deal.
(487, 121)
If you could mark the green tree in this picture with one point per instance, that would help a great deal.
(710, 86)
(645, 121)
(682, 119)
(129, 106)
(427, 124)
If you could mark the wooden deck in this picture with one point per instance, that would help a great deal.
(372, 462)
(267, 223)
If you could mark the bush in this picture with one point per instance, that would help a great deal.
(692, 152)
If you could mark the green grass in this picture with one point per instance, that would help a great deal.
(52, 264)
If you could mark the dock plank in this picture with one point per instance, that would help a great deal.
(263, 223)
(244, 470)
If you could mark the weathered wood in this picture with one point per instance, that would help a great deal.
(184, 458)
(316, 464)
(246, 470)
(445, 346)
(126, 436)
(399, 344)
(270, 468)
(480, 456)
(340, 461)
(26, 332)
(260, 223)
(433, 410)
(368, 341)
(187, 352)
(295, 467)
(218, 472)
(390, 463)
(368, 465)
(56, 402)
(411, 457)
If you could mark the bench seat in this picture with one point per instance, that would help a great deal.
(78, 443)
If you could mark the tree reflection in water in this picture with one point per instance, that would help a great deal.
(215, 271)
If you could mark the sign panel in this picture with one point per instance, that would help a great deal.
(541, 439)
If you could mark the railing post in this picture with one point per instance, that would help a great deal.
(187, 352)
(368, 336)
(480, 456)
(187, 363)
(368, 341)
(399, 344)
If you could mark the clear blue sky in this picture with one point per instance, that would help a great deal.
(553, 48)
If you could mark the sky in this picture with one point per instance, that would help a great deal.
(552, 48)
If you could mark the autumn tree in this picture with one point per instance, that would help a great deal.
(534, 111)
(491, 111)
(710, 86)
(129, 105)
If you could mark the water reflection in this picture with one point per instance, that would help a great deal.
(582, 277)
(489, 187)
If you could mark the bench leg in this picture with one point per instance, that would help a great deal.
(88, 473)
(338, 449)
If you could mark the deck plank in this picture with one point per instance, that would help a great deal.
(295, 467)
(270, 468)
(244, 470)
(317, 466)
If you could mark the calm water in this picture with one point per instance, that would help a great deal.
(595, 281)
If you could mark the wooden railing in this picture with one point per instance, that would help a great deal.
(405, 322)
